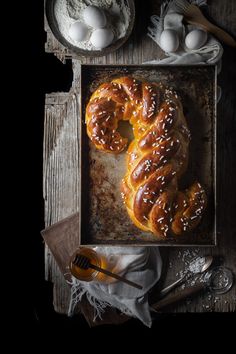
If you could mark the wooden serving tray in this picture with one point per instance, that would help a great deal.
(61, 160)
(103, 217)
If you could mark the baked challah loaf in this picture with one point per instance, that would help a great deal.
(156, 158)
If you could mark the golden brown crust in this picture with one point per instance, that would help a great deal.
(156, 158)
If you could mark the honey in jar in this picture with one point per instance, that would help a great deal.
(89, 274)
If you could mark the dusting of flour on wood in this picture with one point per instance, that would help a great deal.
(69, 11)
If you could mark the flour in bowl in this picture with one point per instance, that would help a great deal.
(68, 12)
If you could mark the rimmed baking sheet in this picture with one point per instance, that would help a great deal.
(103, 216)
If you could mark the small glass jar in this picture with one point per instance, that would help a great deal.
(219, 279)
(89, 274)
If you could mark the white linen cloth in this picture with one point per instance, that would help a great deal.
(139, 264)
(171, 17)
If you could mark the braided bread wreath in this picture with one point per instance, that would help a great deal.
(156, 158)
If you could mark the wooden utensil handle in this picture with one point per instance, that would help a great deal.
(222, 35)
(116, 276)
(179, 296)
(215, 30)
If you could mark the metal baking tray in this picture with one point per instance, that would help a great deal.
(103, 216)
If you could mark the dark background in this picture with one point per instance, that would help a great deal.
(41, 73)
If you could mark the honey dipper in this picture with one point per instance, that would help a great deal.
(83, 262)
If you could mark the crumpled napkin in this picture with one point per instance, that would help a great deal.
(172, 18)
(139, 264)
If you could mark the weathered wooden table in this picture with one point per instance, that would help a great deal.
(61, 152)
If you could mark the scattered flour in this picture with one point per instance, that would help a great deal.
(69, 11)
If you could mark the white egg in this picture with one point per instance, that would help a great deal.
(78, 31)
(195, 39)
(94, 17)
(169, 40)
(102, 37)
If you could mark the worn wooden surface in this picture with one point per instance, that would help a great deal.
(61, 147)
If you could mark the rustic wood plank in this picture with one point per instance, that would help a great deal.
(61, 156)
(60, 173)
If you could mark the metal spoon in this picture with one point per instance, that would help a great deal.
(196, 266)
(218, 280)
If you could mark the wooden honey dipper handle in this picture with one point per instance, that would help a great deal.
(83, 262)
(116, 276)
